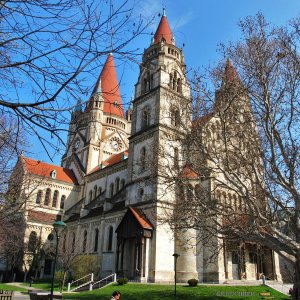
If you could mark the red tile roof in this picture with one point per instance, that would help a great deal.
(163, 31)
(114, 159)
(188, 172)
(108, 85)
(40, 168)
(230, 73)
(141, 218)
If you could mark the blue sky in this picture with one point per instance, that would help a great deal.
(201, 26)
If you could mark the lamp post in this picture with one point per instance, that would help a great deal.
(58, 226)
(176, 255)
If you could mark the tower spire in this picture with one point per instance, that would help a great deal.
(107, 86)
(163, 31)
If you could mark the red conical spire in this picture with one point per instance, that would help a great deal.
(108, 85)
(163, 31)
(230, 73)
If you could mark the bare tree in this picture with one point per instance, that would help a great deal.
(237, 173)
(50, 49)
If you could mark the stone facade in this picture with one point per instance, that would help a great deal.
(113, 196)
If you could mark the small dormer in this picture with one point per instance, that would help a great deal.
(53, 174)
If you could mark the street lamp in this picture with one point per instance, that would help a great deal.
(58, 226)
(176, 255)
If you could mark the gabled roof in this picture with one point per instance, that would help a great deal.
(188, 172)
(114, 159)
(43, 169)
(108, 86)
(141, 218)
(163, 31)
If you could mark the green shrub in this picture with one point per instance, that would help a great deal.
(122, 280)
(193, 282)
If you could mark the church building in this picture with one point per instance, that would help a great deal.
(108, 190)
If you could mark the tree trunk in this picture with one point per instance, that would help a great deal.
(63, 281)
(295, 292)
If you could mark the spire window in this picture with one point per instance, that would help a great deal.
(145, 117)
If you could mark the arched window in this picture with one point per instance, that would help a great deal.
(55, 197)
(117, 183)
(179, 88)
(62, 202)
(84, 241)
(90, 196)
(39, 197)
(145, 118)
(197, 191)
(143, 158)
(122, 183)
(95, 192)
(110, 238)
(47, 197)
(111, 191)
(99, 190)
(96, 240)
(175, 117)
(32, 242)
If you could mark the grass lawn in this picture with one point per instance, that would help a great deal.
(9, 287)
(166, 292)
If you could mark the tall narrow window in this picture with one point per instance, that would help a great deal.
(62, 202)
(84, 241)
(55, 197)
(143, 158)
(122, 183)
(95, 192)
(73, 242)
(47, 197)
(110, 238)
(39, 197)
(111, 192)
(99, 190)
(96, 240)
(90, 196)
(145, 118)
(117, 184)
(32, 242)
(176, 158)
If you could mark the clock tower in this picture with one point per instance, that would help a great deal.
(101, 130)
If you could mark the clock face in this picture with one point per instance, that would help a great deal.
(116, 144)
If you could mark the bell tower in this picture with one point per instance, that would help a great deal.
(161, 115)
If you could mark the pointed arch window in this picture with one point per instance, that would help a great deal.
(90, 196)
(96, 240)
(62, 202)
(117, 183)
(39, 197)
(84, 242)
(111, 191)
(99, 190)
(32, 242)
(47, 196)
(122, 183)
(95, 191)
(55, 198)
(175, 117)
(145, 117)
(110, 238)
